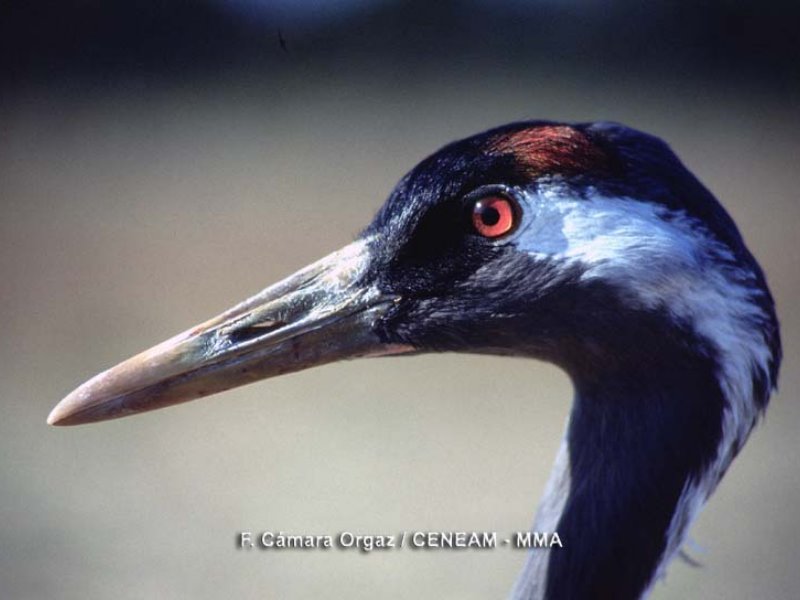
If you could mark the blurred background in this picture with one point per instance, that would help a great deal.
(160, 161)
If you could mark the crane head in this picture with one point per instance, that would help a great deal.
(569, 243)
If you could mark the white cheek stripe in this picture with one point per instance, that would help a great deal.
(664, 260)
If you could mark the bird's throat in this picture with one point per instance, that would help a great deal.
(632, 447)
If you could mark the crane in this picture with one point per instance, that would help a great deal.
(588, 245)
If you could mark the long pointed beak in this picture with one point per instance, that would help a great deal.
(322, 313)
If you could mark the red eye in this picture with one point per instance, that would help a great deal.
(494, 216)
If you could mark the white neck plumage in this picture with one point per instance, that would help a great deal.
(659, 417)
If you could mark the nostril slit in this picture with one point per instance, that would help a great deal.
(251, 332)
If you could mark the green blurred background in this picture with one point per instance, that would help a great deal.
(161, 161)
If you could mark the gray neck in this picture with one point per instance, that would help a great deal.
(631, 472)
(531, 582)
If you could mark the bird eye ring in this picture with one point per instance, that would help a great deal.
(495, 216)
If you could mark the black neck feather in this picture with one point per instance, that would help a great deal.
(635, 438)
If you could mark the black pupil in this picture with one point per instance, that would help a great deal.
(490, 215)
